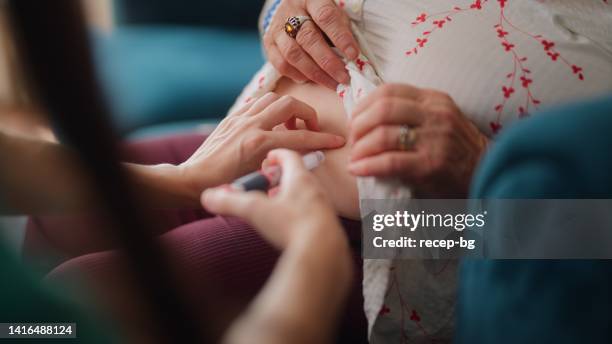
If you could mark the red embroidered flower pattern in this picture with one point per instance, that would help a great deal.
(507, 91)
(495, 127)
(360, 63)
(384, 310)
(503, 28)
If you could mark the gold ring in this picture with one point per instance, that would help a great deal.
(293, 25)
(407, 138)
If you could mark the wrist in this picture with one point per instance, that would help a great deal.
(165, 185)
(184, 189)
(325, 245)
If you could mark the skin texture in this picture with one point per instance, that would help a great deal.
(236, 147)
(291, 308)
(447, 148)
(333, 174)
(309, 56)
(445, 153)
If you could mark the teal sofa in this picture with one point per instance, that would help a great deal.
(172, 65)
(564, 154)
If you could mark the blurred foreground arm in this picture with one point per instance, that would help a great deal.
(42, 177)
(301, 300)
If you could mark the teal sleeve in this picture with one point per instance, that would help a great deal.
(24, 300)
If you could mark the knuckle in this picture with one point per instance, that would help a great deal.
(431, 93)
(326, 62)
(446, 129)
(445, 114)
(383, 109)
(232, 121)
(307, 36)
(436, 165)
(251, 143)
(293, 53)
(268, 39)
(283, 66)
(396, 163)
(286, 101)
(386, 90)
(302, 136)
(343, 38)
(384, 137)
(326, 15)
(390, 139)
(388, 164)
(318, 75)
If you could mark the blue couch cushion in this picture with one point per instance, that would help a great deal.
(154, 75)
(565, 154)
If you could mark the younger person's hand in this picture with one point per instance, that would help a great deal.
(300, 208)
(241, 141)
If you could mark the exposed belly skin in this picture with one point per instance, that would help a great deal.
(333, 174)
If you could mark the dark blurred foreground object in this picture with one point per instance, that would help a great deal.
(53, 44)
(24, 300)
(229, 14)
(551, 156)
(169, 66)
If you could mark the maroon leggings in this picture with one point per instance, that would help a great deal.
(223, 261)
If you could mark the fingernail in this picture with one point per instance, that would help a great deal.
(342, 77)
(351, 53)
(205, 197)
(340, 140)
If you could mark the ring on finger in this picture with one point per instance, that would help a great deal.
(293, 24)
(407, 138)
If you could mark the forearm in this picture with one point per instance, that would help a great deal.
(165, 186)
(301, 301)
(41, 177)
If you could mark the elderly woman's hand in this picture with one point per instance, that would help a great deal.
(309, 56)
(443, 148)
(241, 141)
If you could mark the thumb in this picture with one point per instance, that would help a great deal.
(246, 205)
(300, 140)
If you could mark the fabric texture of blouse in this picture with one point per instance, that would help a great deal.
(501, 61)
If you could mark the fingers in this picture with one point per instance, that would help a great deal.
(245, 205)
(311, 40)
(388, 91)
(244, 107)
(380, 139)
(335, 25)
(284, 67)
(397, 164)
(304, 140)
(290, 162)
(262, 103)
(286, 108)
(298, 58)
(386, 111)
